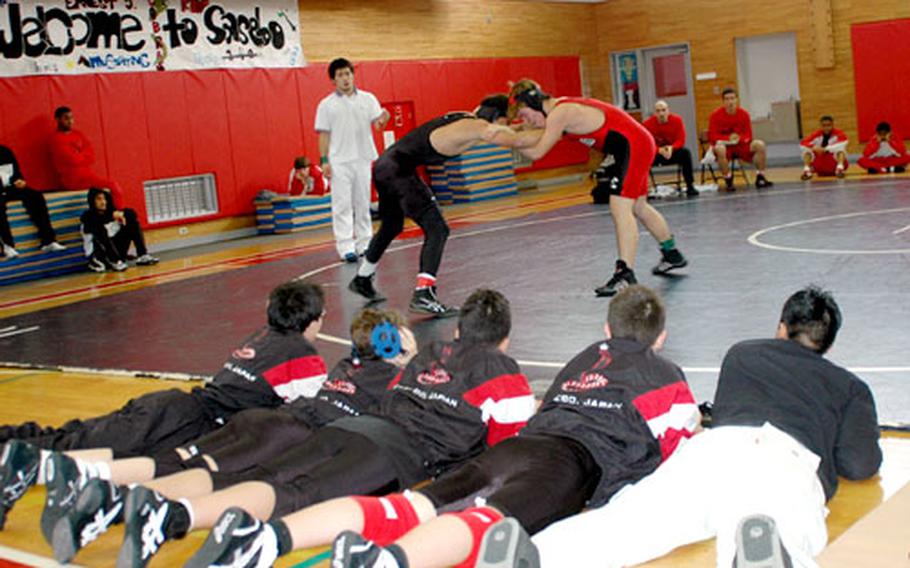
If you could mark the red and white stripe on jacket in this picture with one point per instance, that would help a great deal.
(298, 377)
(671, 414)
(506, 403)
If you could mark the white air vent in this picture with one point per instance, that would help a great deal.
(180, 198)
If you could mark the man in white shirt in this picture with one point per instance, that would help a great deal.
(346, 150)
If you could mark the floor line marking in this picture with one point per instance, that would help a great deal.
(5, 334)
(899, 231)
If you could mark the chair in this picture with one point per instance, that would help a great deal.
(705, 147)
(678, 182)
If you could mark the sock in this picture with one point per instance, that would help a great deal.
(366, 268)
(425, 280)
(760, 173)
(621, 265)
(283, 533)
(668, 244)
(398, 554)
(808, 168)
(42, 466)
(179, 519)
(386, 519)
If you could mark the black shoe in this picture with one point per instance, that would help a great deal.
(728, 181)
(238, 540)
(363, 285)
(672, 259)
(507, 545)
(98, 506)
(621, 280)
(351, 550)
(692, 192)
(424, 301)
(761, 182)
(18, 471)
(758, 544)
(872, 170)
(899, 169)
(146, 516)
(63, 483)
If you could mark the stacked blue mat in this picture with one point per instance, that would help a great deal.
(484, 172)
(285, 214)
(64, 207)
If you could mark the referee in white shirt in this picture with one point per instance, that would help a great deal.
(346, 150)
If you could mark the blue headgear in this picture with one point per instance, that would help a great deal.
(386, 340)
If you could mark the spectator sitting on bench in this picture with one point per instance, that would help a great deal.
(730, 134)
(13, 187)
(108, 233)
(306, 178)
(885, 152)
(73, 156)
(669, 133)
(824, 151)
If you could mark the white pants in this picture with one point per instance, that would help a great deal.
(351, 206)
(703, 490)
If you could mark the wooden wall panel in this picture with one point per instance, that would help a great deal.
(364, 30)
(711, 28)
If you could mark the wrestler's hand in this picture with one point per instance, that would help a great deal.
(408, 348)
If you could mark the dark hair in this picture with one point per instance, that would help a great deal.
(485, 317)
(727, 91)
(60, 111)
(883, 127)
(363, 325)
(301, 162)
(493, 107)
(827, 117)
(295, 305)
(638, 313)
(812, 318)
(337, 65)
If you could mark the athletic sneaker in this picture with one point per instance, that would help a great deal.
(238, 540)
(620, 280)
(18, 471)
(96, 265)
(9, 252)
(146, 260)
(363, 285)
(98, 506)
(424, 301)
(119, 266)
(692, 192)
(53, 246)
(672, 259)
(840, 173)
(146, 515)
(728, 182)
(351, 550)
(350, 257)
(761, 182)
(899, 169)
(63, 481)
(507, 545)
(758, 544)
(807, 175)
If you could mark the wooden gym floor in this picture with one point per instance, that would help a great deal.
(551, 248)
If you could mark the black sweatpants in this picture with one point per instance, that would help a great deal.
(151, 423)
(36, 207)
(249, 438)
(403, 194)
(681, 157)
(113, 249)
(536, 479)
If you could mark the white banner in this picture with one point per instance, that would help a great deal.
(92, 36)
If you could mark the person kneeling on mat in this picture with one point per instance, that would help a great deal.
(603, 433)
(786, 423)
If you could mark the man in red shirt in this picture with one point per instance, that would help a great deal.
(730, 134)
(669, 133)
(825, 151)
(306, 178)
(885, 152)
(73, 156)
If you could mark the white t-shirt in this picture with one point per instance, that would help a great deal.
(348, 120)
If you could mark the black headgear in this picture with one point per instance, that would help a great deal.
(533, 98)
(493, 107)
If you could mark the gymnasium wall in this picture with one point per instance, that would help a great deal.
(710, 28)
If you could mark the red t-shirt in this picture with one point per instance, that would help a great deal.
(722, 124)
(670, 133)
(295, 186)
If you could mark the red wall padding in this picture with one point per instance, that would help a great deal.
(881, 70)
(245, 126)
